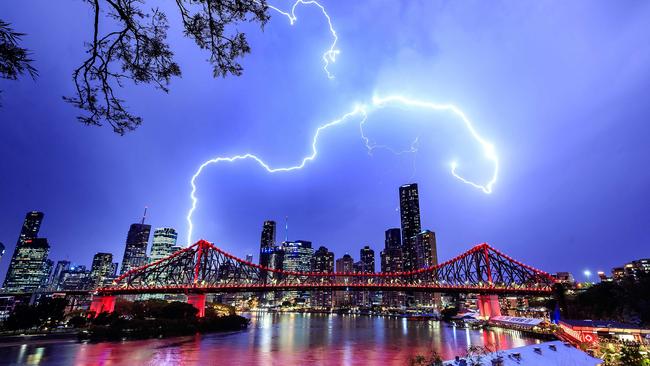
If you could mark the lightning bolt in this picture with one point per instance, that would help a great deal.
(362, 111)
(359, 110)
(329, 56)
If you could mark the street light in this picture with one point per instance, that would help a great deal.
(587, 274)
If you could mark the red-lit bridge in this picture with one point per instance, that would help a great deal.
(203, 268)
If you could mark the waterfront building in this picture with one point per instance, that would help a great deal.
(29, 268)
(392, 261)
(267, 243)
(426, 251)
(565, 278)
(56, 274)
(322, 262)
(101, 270)
(344, 264)
(29, 260)
(135, 251)
(637, 268)
(76, 278)
(164, 241)
(297, 257)
(409, 203)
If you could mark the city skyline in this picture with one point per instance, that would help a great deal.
(542, 205)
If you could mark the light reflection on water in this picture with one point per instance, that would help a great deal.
(278, 339)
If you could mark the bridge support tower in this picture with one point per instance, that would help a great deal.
(198, 301)
(488, 306)
(102, 303)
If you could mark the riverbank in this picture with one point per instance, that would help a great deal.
(132, 329)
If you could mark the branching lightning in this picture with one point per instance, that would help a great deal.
(330, 54)
(361, 112)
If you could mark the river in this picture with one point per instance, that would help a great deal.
(277, 339)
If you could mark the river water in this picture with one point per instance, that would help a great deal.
(277, 339)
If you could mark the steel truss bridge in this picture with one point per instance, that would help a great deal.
(204, 268)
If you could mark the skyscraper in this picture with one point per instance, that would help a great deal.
(164, 241)
(29, 267)
(426, 251)
(55, 279)
(392, 261)
(31, 226)
(367, 256)
(267, 243)
(344, 264)
(409, 204)
(135, 251)
(322, 262)
(101, 270)
(2, 251)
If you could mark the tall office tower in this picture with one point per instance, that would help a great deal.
(426, 255)
(31, 226)
(55, 279)
(392, 260)
(164, 240)
(135, 251)
(344, 264)
(76, 278)
(28, 232)
(29, 268)
(297, 256)
(101, 270)
(393, 238)
(322, 262)
(367, 256)
(426, 251)
(409, 204)
(267, 243)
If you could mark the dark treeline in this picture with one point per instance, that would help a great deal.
(159, 318)
(627, 300)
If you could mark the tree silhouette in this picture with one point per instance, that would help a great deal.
(129, 44)
(15, 61)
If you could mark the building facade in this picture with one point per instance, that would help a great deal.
(101, 271)
(409, 203)
(164, 241)
(29, 267)
(267, 243)
(392, 261)
(344, 264)
(322, 262)
(135, 251)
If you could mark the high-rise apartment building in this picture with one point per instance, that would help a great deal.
(55, 279)
(426, 251)
(164, 241)
(409, 203)
(135, 251)
(392, 260)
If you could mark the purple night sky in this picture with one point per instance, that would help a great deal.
(561, 90)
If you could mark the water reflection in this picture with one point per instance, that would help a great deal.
(278, 339)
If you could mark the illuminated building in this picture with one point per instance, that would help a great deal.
(426, 252)
(2, 251)
(55, 279)
(29, 268)
(637, 268)
(392, 261)
(344, 264)
(135, 251)
(75, 278)
(267, 243)
(409, 205)
(249, 258)
(322, 262)
(164, 241)
(101, 271)
(426, 255)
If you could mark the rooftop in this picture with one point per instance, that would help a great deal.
(555, 353)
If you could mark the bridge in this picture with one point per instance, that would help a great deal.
(203, 268)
